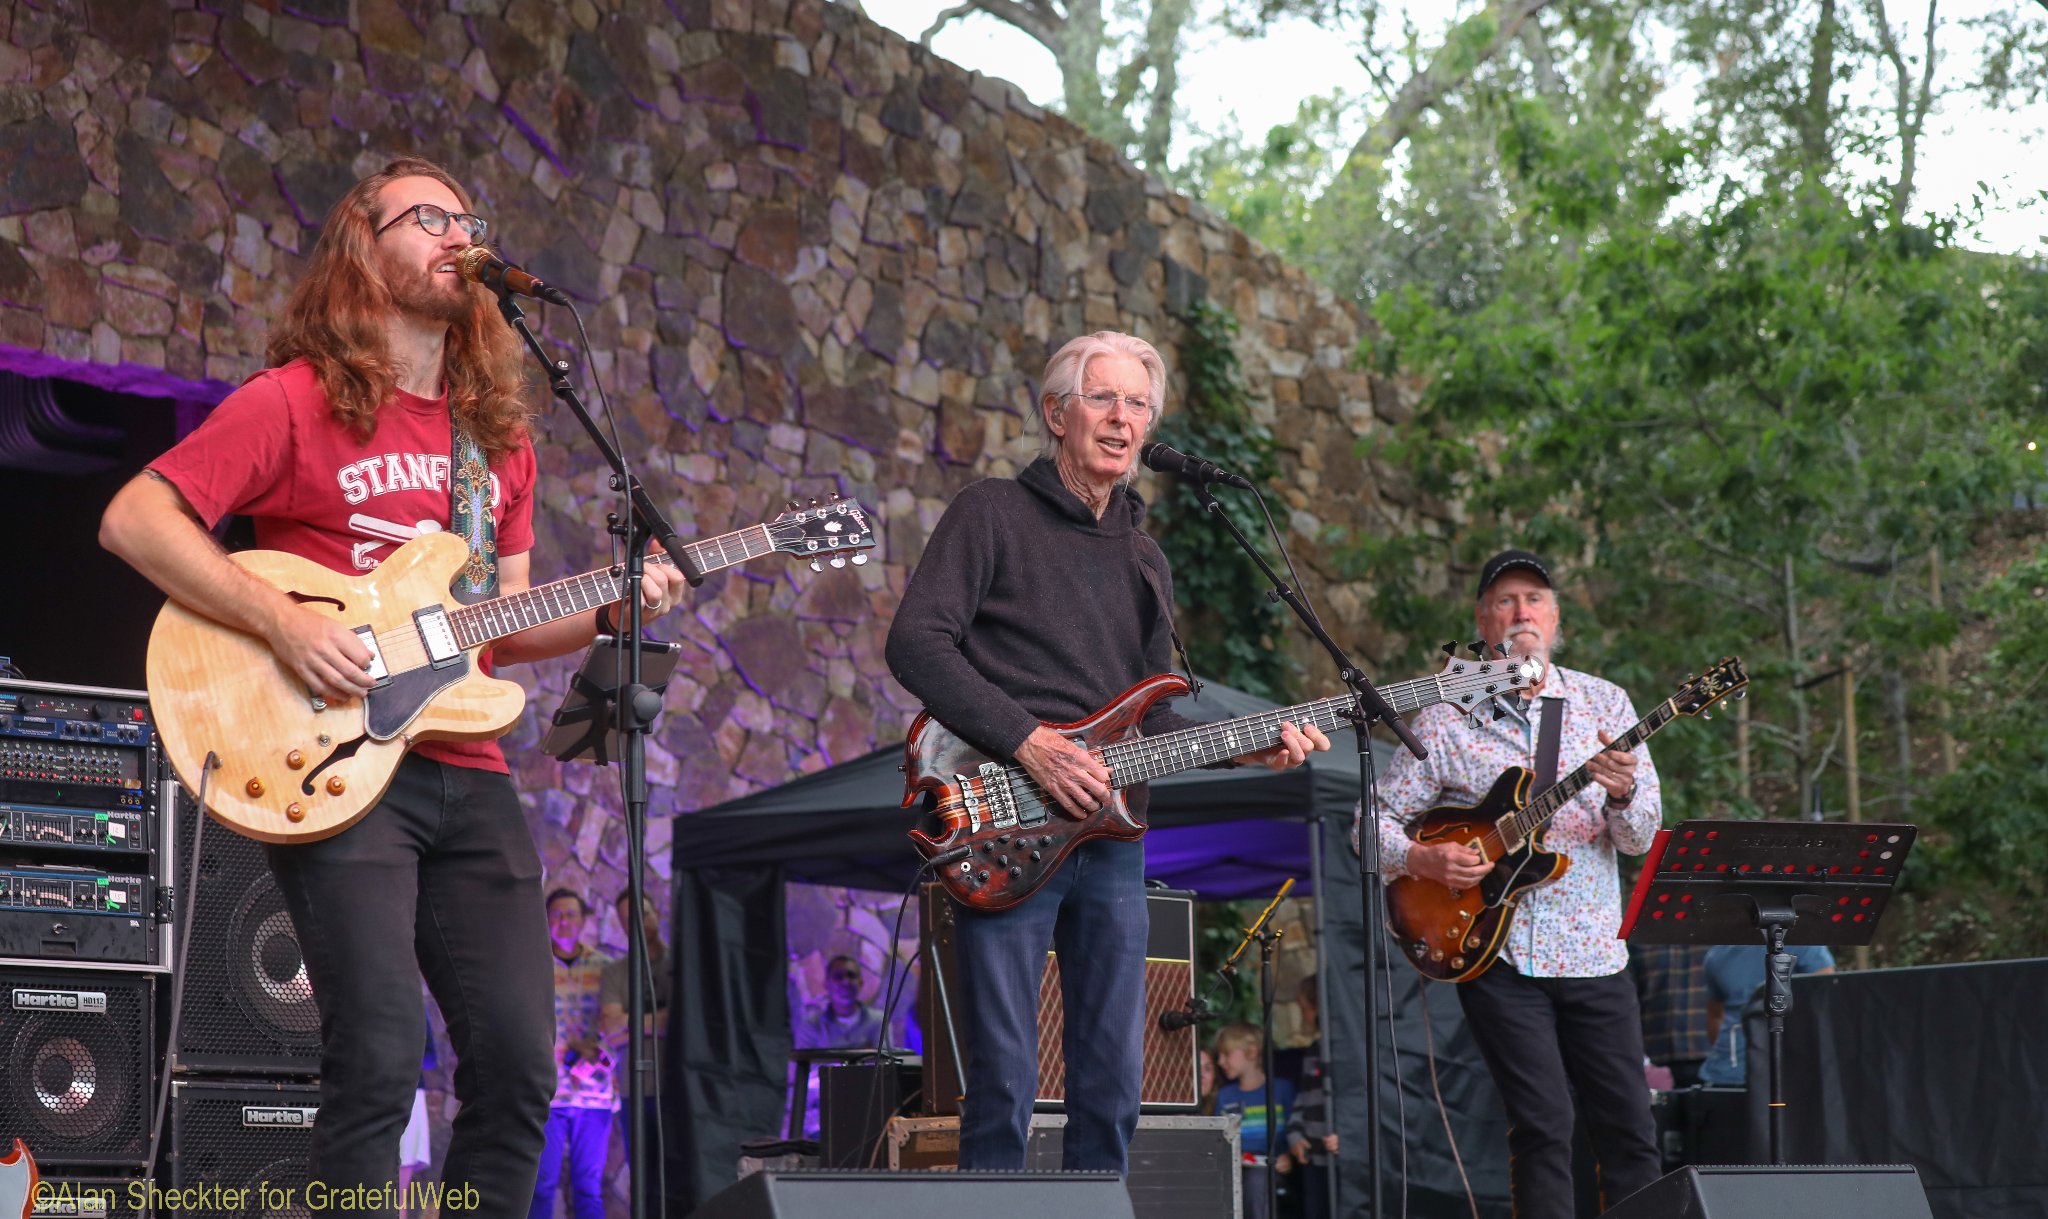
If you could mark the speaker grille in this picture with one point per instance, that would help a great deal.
(248, 1008)
(75, 1059)
(219, 1136)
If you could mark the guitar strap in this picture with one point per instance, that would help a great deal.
(469, 516)
(1548, 738)
(1158, 586)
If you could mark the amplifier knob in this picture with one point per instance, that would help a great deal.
(295, 759)
(295, 812)
(254, 787)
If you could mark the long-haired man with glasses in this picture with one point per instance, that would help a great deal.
(393, 405)
(1039, 599)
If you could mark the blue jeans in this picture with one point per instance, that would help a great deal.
(586, 1135)
(1093, 913)
(440, 879)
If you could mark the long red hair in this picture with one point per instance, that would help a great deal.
(333, 322)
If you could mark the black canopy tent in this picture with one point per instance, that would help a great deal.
(1222, 833)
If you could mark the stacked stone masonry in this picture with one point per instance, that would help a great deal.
(817, 260)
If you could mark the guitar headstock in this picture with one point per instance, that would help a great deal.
(1699, 694)
(1471, 684)
(828, 532)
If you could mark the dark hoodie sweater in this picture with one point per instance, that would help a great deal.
(1025, 608)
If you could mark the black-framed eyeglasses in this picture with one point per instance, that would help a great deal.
(435, 220)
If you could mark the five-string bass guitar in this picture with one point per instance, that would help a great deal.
(295, 767)
(1452, 935)
(1000, 836)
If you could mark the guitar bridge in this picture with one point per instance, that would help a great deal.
(995, 792)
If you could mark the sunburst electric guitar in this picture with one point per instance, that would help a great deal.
(1000, 836)
(1452, 935)
(295, 767)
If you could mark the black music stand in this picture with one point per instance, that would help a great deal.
(1796, 882)
(586, 724)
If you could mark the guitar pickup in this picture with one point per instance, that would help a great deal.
(379, 673)
(437, 636)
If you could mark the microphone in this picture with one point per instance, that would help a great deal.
(1184, 1018)
(1168, 460)
(479, 265)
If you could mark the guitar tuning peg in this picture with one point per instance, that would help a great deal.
(815, 566)
(814, 501)
(1707, 715)
(861, 559)
(791, 504)
(838, 560)
(1500, 711)
(1478, 647)
(1501, 648)
(1451, 648)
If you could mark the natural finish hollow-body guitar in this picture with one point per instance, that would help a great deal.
(1001, 837)
(294, 767)
(1453, 935)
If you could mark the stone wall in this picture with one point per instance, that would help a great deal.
(818, 260)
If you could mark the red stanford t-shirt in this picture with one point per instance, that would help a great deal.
(272, 451)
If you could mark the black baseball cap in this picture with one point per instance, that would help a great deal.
(1511, 560)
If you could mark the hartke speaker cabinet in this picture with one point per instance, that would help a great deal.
(242, 1135)
(248, 1008)
(1806, 1190)
(77, 1062)
(1171, 1079)
(940, 1195)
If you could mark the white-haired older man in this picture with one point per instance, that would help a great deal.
(1038, 600)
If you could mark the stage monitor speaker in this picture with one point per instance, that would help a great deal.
(248, 1008)
(85, 1197)
(1807, 1190)
(77, 1059)
(242, 1135)
(825, 1194)
(854, 1108)
(1171, 1080)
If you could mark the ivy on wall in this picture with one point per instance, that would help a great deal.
(1224, 615)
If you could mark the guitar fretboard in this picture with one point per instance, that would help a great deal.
(1545, 806)
(1147, 758)
(501, 616)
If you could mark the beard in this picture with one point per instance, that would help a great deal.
(430, 295)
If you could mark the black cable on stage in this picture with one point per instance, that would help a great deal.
(891, 991)
(1429, 1033)
(186, 899)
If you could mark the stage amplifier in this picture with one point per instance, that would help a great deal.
(77, 1064)
(1182, 1166)
(248, 1006)
(1807, 1190)
(1171, 1079)
(821, 1194)
(82, 838)
(241, 1143)
(65, 1196)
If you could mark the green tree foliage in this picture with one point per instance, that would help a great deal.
(1224, 616)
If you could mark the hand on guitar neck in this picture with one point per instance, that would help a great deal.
(1080, 782)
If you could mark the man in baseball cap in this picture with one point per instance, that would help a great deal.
(1560, 993)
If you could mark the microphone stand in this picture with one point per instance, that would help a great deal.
(637, 707)
(1369, 709)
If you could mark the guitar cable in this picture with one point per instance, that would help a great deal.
(186, 901)
(1429, 1032)
(891, 992)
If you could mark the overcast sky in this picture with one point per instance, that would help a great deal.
(1260, 83)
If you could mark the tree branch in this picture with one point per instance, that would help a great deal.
(1035, 17)
(1454, 64)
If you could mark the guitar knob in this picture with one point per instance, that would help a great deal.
(1035, 857)
(295, 812)
(1002, 861)
(254, 787)
(981, 876)
(336, 785)
(1016, 872)
(295, 759)
(1473, 943)
(1457, 962)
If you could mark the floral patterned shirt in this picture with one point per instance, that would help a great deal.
(1569, 928)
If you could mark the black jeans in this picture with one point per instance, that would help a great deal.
(1544, 1040)
(441, 879)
